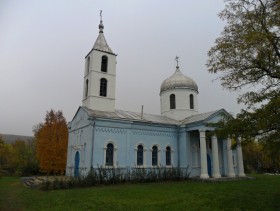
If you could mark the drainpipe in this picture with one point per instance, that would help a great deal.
(178, 145)
(93, 127)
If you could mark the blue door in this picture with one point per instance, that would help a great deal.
(209, 165)
(77, 162)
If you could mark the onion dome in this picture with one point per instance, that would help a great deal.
(178, 80)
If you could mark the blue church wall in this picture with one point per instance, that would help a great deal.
(102, 137)
(195, 153)
(126, 136)
(149, 139)
(182, 149)
(80, 142)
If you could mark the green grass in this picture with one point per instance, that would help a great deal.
(261, 193)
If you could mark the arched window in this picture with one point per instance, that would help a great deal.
(103, 87)
(140, 158)
(172, 101)
(104, 63)
(88, 64)
(77, 163)
(154, 156)
(191, 102)
(86, 93)
(110, 155)
(168, 156)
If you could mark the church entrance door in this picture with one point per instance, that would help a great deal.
(209, 165)
(77, 162)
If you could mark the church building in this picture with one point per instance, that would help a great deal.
(101, 135)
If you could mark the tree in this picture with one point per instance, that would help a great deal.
(23, 161)
(4, 154)
(247, 56)
(51, 143)
(18, 158)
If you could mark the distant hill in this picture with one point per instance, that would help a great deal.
(8, 138)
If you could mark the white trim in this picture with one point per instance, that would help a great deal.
(171, 155)
(144, 155)
(115, 161)
(158, 155)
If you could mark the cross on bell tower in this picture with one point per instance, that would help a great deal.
(177, 61)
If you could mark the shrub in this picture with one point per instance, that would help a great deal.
(104, 176)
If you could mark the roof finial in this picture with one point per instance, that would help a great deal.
(101, 26)
(177, 60)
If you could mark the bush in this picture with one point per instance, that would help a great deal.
(104, 176)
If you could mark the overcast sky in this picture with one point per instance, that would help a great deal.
(43, 45)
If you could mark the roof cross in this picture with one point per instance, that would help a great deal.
(101, 15)
(177, 60)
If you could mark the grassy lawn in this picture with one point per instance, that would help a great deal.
(261, 193)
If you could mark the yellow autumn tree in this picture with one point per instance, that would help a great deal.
(51, 143)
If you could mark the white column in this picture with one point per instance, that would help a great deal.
(229, 159)
(240, 160)
(203, 156)
(215, 157)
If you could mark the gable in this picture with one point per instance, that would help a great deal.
(205, 118)
(218, 116)
(80, 119)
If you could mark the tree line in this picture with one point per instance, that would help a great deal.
(45, 154)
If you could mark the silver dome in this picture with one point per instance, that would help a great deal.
(178, 80)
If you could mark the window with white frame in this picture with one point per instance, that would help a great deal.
(168, 156)
(154, 156)
(191, 102)
(104, 63)
(103, 87)
(140, 155)
(172, 101)
(109, 155)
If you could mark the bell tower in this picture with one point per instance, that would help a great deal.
(100, 75)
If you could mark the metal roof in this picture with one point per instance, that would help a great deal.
(178, 80)
(198, 117)
(131, 116)
(152, 118)
(100, 43)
